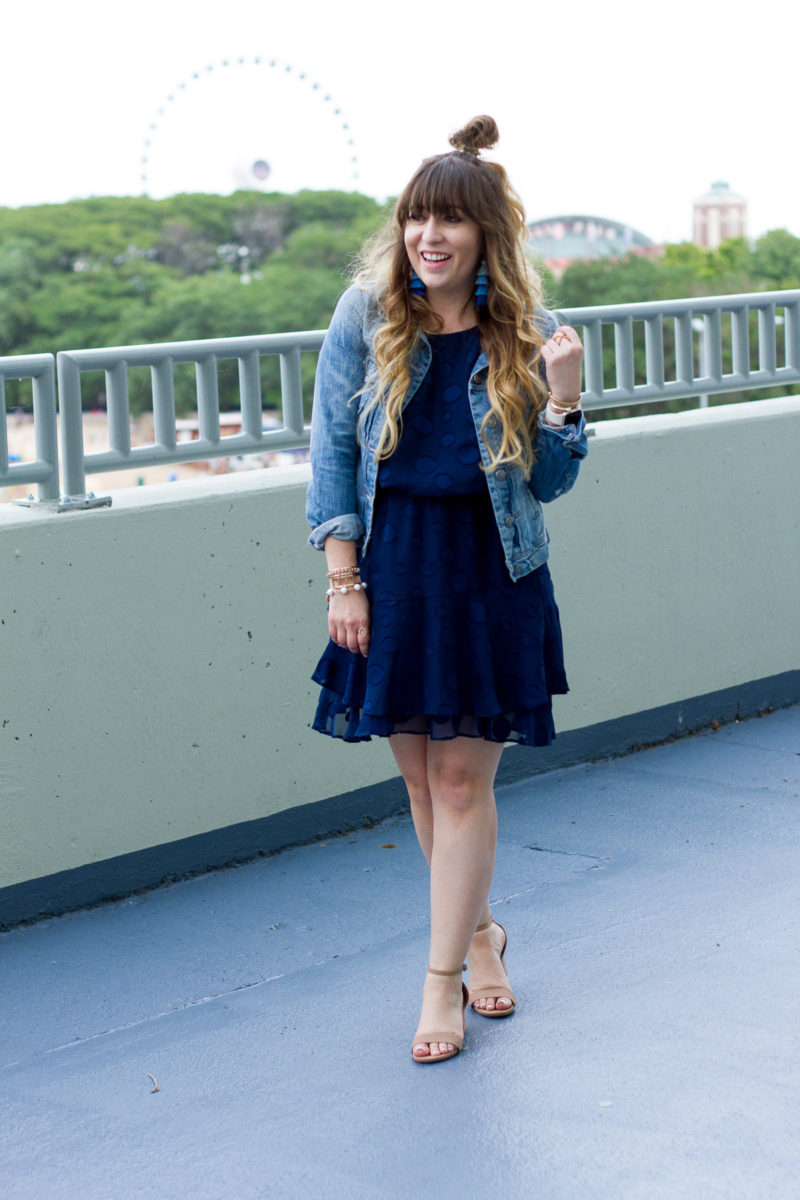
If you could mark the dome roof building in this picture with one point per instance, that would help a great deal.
(572, 237)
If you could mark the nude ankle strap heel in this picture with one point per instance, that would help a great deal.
(447, 1035)
(493, 991)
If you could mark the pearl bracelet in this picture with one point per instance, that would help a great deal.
(343, 589)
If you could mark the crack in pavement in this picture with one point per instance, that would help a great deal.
(568, 853)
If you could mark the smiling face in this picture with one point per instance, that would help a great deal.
(445, 250)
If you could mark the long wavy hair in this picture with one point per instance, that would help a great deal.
(462, 180)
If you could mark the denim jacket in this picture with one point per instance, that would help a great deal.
(344, 470)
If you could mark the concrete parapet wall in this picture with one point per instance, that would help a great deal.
(156, 654)
(677, 558)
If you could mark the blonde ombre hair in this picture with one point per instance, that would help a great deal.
(509, 335)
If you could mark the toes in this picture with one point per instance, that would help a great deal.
(492, 1003)
(432, 1049)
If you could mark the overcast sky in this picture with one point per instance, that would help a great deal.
(618, 109)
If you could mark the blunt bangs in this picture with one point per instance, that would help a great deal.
(444, 184)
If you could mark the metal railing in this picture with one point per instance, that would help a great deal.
(43, 470)
(634, 354)
(161, 358)
(685, 346)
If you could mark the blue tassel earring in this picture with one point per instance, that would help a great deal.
(482, 285)
(416, 285)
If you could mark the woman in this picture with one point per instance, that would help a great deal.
(446, 408)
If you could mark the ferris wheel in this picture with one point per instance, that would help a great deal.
(247, 122)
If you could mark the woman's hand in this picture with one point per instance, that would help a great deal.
(563, 360)
(349, 621)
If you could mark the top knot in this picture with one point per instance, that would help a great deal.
(480, 133)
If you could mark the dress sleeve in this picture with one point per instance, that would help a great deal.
(331, 505)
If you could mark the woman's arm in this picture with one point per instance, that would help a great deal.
(348, 614)
(561, 441)
(331, 506)
(562, 354)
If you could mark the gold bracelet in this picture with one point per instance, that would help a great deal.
(336, 580)
(564, 405)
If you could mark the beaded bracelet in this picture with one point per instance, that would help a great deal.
(343, 589)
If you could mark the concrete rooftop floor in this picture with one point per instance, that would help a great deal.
(652, 906)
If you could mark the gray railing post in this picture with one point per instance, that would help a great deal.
(208, 398)
(71, 428)
(46, 431)
(623, 353)
(767, 349)
(654, 350)
(740, 342)
(43, 471)
(593, 341)
(791, 316)
(118, 408)
(163, 404)
(712, 332)
(250, 392)
(71, 423)
(3, 429)
(684, 349)
(292, 390)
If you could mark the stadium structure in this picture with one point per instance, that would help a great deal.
(572, 237)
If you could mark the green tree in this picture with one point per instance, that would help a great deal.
(776, 260)
(81, 309)
(19, 280)
(316, 245)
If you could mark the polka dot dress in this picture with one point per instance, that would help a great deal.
(457, 649)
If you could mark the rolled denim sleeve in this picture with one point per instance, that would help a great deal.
(347, 528)
(331, 500)
(559, 452)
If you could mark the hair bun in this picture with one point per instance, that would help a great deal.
(481, 133)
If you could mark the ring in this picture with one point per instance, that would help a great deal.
(560, 337)
(363, 632)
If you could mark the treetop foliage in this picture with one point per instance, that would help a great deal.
(771, 264)
(113, 270)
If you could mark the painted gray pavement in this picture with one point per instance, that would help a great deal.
(654, 945)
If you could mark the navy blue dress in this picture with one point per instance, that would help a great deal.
(457, 649)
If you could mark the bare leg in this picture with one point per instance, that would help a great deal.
(461, 777)
(411, 754)
(451, 789)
